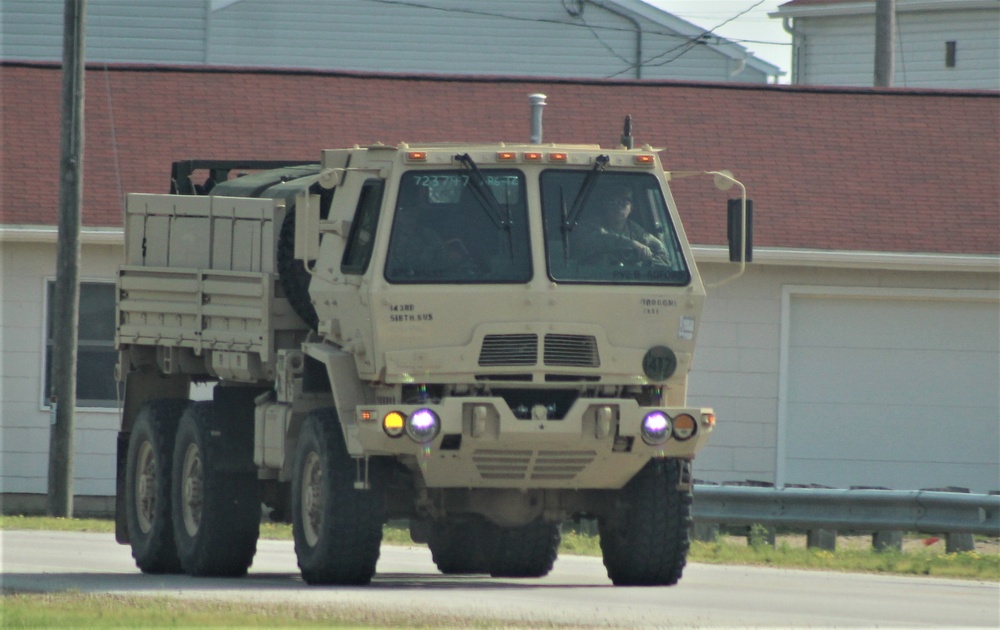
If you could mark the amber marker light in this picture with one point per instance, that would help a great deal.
(532, 156)
(684, 427)
(366, 415)
(558, 157)
(708, 419)
(645, 160)
(416, 156)
(506, 156)
(394, 423)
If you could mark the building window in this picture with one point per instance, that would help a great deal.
(96, 355)
(949, 54)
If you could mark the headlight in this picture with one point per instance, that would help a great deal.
(423, 425)
(655, 428)
(684, 427)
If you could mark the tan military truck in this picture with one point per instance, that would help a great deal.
(486, 340)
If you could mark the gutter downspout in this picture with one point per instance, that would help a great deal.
(798, 43)
(638, 33)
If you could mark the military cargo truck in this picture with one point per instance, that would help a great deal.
(486, 340)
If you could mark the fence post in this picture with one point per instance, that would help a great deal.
(887, 540)
(825, 539)
(955, 542)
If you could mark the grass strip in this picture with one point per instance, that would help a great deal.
(83, 610)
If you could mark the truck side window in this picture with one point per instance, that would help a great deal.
(361, 240)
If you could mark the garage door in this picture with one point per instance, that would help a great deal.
(901, 391)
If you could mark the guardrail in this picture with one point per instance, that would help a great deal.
(925, 511)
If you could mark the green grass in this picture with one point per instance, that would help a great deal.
(983, 564)
(81, 610)
(969, 565)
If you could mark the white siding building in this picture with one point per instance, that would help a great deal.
(939, 44)
(626, 39)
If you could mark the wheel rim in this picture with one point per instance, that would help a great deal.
(312, 498)
(192, 489)
(145, 487)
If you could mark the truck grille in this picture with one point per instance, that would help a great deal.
(522, 349)
(509, 350)
(571, 350)
(534, 465)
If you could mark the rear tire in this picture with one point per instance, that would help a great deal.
(646, 542)
(216, 513)
(462, 547)
(528, 551)
(147, 493)
(337, 528)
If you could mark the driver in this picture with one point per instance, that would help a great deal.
(614, 236)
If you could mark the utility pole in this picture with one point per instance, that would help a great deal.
(67, 294)
(885, 36)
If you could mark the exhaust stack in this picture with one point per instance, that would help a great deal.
(537, 103)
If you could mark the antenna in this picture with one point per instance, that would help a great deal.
(627, 132)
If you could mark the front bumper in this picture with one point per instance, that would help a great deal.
(481, 444)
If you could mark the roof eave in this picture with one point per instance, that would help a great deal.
(727, 48)
(834, 9)
(885, 261)
(775, 256)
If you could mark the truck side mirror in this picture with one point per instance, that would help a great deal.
(738, 231)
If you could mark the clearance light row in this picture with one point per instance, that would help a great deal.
(641, 159)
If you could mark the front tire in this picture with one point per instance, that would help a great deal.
(337, 528)
(147, 494)
(216, 513)
(645, 543)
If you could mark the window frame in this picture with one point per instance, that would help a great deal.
(370, 201)
(669, 231)
(522, 223)
(84, 345)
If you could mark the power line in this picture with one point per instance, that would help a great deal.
(689, 43)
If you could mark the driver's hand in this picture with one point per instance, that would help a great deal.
(643, 250)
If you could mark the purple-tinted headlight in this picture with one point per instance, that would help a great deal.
(423, 425)
(655, 428)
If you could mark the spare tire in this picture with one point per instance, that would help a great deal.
(292, 273)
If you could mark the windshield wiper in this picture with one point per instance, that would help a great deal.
(570, 219)
(481, 191)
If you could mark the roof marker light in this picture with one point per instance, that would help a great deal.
(416, 156)
(558, 157)
(645, 159)
(506, 156)
(532, 156)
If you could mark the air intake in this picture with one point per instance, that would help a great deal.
(571, 351)
(500, 350)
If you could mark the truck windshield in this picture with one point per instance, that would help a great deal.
(621, 234)
(445, 232)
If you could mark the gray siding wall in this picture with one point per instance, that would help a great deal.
(841, 50)
(509, 37)
(500, 37)
(117, 31)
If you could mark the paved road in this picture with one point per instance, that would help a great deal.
(576, 592)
